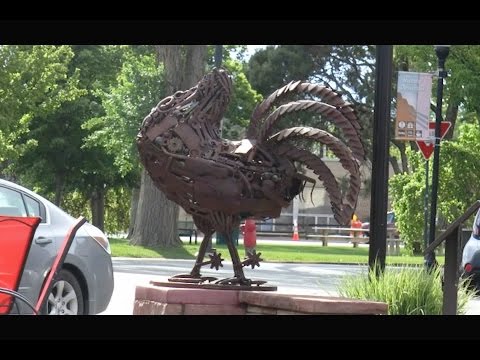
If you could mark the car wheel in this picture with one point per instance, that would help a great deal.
(66, 296)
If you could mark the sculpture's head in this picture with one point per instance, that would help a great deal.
(207, 101)
(212, 95)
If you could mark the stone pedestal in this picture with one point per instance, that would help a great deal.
(158, 300)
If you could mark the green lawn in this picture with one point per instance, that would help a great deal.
(290, 252)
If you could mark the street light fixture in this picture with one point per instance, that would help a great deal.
(442, 52)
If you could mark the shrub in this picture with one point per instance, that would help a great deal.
(406, 290)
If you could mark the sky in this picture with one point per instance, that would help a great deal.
(252, 48)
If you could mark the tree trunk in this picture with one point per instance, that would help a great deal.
(184, 65)
(395, 166)
(451, 116)
(156, 220)
(403, 158)
(97, 205)
(59, 179)
(156, 217)
(133, 211)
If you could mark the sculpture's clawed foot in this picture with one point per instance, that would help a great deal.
(191, 278)
(215, 262)
(253, 259)
(240, 282)
(185, 276)
(234, 281)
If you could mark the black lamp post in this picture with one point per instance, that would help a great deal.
(442, 53)
(381, 123)
(218, 55)
(218, 63)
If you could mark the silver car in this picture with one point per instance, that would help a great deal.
(470, 266)
(85, 283)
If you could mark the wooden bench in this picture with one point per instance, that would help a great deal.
(277, 229)
(337, 234)
(273, 233)
(393, 245)
(355, 240)
(187, 229)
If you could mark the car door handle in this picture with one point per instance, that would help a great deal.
(43, 241)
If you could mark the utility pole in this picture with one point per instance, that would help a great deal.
(442, 52)
(425, 207)
(381, 122)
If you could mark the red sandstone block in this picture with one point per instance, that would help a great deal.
(139, 307)
(145, 307)
(172, 295)
(152, 293)
(142, 307)
(197, 309)
(172, 309)
(258, 310)
(202, 296)
(286, 312)
(312, 304)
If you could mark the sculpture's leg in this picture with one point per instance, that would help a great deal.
(237, 264)
(201, 254)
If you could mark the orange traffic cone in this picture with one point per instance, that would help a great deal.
(295, 233)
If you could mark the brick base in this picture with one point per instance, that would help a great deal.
(158, 300)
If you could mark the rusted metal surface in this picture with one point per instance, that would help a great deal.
(254, 286)
(220, 182)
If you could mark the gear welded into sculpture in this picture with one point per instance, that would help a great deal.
(221, 182)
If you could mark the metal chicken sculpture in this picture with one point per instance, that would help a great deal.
(220, 182)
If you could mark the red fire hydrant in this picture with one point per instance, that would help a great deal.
(249, 231)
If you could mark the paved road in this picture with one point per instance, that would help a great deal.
(317, 279)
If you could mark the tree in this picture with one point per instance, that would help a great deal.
(156, 217)
(271, 68)
(62, 164)
(348, 70)
(99, 66)
(243, 102)
(458, 184)
(461, 91)
(53, 163)
(138, 86)
(34, 82)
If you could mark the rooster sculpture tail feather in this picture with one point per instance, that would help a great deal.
(332, 107)
(342, 210)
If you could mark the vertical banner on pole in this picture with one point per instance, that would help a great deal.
(414, 92)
